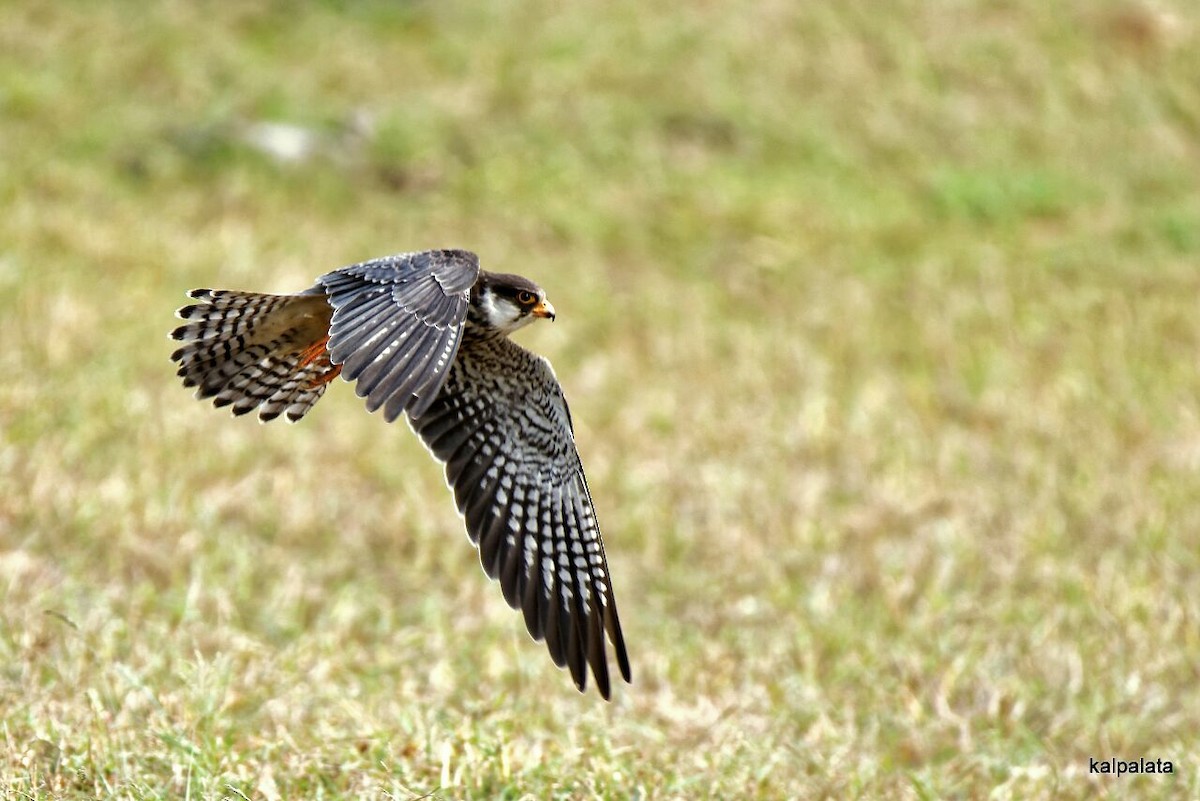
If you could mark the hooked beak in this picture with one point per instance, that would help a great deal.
(543, 309)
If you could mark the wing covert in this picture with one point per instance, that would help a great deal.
(397, 324)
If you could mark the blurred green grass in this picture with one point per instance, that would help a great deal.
(879, 328)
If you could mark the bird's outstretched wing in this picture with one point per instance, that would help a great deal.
(397, 323)
(502, 428)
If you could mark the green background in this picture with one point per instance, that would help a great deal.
(879, 326)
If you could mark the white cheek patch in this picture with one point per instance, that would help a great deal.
(500, 312)
(487, 302)
(507, 311)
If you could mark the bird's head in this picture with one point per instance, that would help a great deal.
(507, 302)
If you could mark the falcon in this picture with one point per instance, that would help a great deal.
(425, 335)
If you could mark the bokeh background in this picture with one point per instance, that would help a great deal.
(879, 324)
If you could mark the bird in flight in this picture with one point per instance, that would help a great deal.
(426, 335)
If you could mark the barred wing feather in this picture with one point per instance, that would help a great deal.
(397, 324)
(502, 428)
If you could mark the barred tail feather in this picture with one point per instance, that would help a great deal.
(248, 351)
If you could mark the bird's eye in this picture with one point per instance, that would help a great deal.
(526, 298)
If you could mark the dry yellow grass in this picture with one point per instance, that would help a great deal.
(879, 325)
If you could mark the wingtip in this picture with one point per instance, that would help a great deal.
(623, 664)
(604, 688)
(417, 406)
(580, 680)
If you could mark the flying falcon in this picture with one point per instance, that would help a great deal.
(426, 335)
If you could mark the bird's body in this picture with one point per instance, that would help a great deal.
(426, 335)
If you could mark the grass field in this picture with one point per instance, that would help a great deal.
(880, 327)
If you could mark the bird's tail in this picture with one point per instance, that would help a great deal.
(249, 350)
